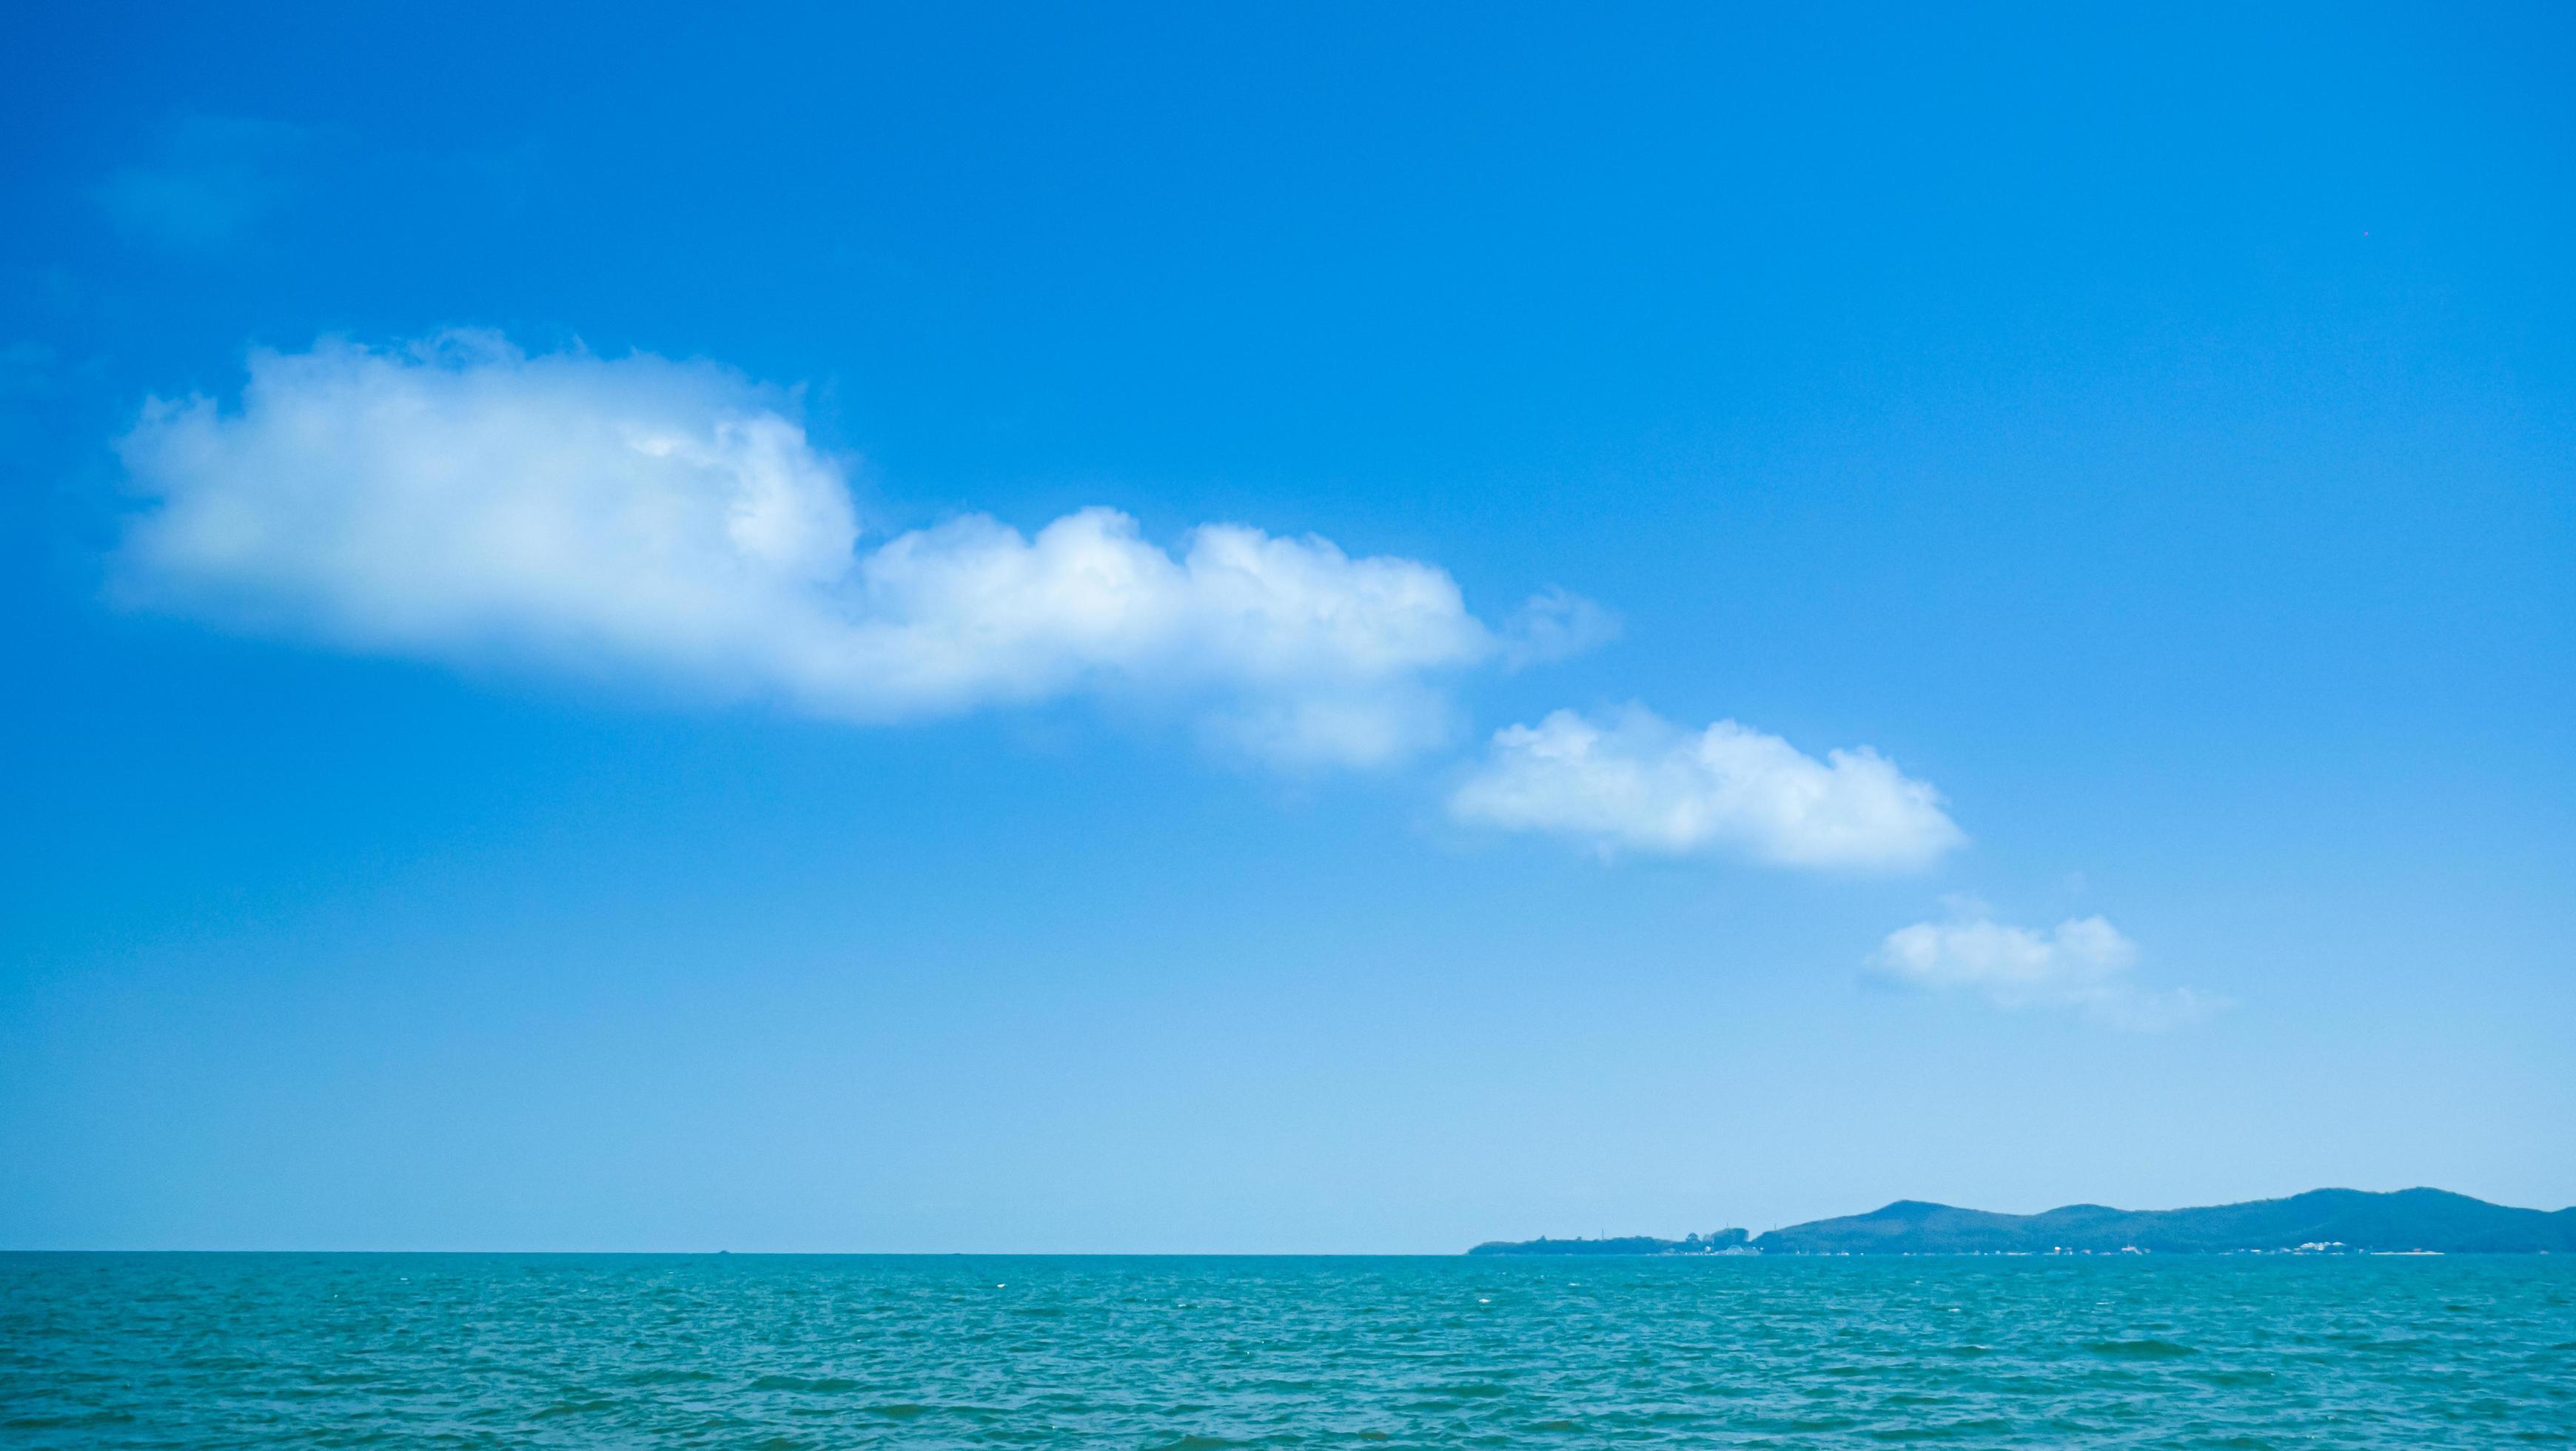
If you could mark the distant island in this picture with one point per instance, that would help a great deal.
(1724, 1242)
(2322, 1221)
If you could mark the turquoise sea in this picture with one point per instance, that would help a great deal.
(786, 1352)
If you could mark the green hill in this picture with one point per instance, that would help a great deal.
(2345, 1220)
(2348, 1219)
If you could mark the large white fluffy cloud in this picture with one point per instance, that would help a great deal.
(1638, 783)
(458, 499)
(2084, 963)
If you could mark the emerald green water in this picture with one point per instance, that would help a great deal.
(787, 1352)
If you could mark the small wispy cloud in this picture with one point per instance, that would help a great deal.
(1556, 624)
(2083, 964)
(1635, 782)
(457, 499)
(28, 369)
(209, 183)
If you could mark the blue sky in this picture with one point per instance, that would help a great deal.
(1276, 628)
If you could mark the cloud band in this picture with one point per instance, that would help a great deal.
(458, 499)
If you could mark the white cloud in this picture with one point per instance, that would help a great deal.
(1640, 783)
(2082, 964)
(457, 500)
(1555, 625)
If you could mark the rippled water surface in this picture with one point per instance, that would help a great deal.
(488, 1350)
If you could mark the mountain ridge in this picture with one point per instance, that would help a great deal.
(2352, 1221)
